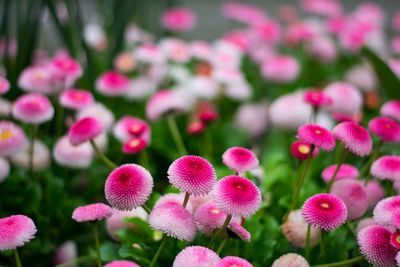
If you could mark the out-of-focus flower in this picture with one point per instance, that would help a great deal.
(243, 12)
(386, 167)
(12, 138)
(15, 231)
(76, 98)
(66, 154)
(267, 31)
(100, 112)
(37, 79)
(4, 85)
(364, 223)
(281, 69)
(128, 128)
(253, 118)
(346, 98)
(391, 109)
(116, 221)
(354, 137)
(140, 88)
(387, 129)
(323, 48)
(173, 198)
(179, 19)
(317, 98)
(317, 136)
(83, 130)
(65, 70)
(375, 193)
(41, 156)
(33, 108)
(125, 62)
(4, 169)
(203, 87)
(290, 260)
(385, 209)
(196, 256)
(67, 251)
(300, 32)
(175, 50)
(322, 7)
(134, 146)
(92, 212)
(149, 53)
(95, 36)
(196, 127)
(346, 171)
(363, 77)
(112, 84)
(5, 107)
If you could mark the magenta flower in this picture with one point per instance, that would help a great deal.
(301, 150)
(385, 209)
(15, 231)
(4, 85)
(324, 211)
(192, 174)
(76, 99)
(316, 135)
(178, 19)
(134, 146)
(66, 154)
(12, 138)
(353, 194)
(128, 186)
(65, 69)
(84, 130)
(33, 108)
(238, 231)
(240, 159)
(196, 256)
(209, 217)
(354, 137)
(375, 192)
(317, 98)
(386, 167)
(173, 220)
(128, 128)
(237, 196)
(121, 263)
(232, 261)
(92, 212)
(391, 109)
(388, 130)
(396, 220)
(395, 239)
(374, 243)
(112, 84)
(346, 171)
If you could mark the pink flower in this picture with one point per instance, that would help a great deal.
(282, 69)
(354, 137)
(317, 98)
(396, 220)
(128, 128)
(112, 84)
(12, 138)
(240, 159)
(346, 98)
(65, 252)
(375, 192)
(128, 186)
(391, 109)
(66, 154)
(33, 108)
(134, 146)
(266, 31)
(237, 196)
(231, 261)
(374, 243)
(253, 118)
(317, 136)
(395, 239)
(92, 212)
(179, 19)
(121, 263)
(299, 32)
(209, 217)
(243, 12)
(386, 167)
(290, 260)
(15, 231)
(100, 112)
(84, 130)
(192, 174)
(4, 85)
(346, 171)
(323, 48)
(164, 102)
(322, 7)
(196, 128)
(196, 256)
(175, 50)
(173, 198)
(324, 211)
(37, 79)
(65, 69)
(364, 223)
(236, 230)
(396, 21)
(173, 220)
(353, 194)
(388, 130)
(76, 99)
(384, 210)
(125, 62)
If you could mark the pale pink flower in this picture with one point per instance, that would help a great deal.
(92, 212)
(76, 99)
(112, 83)
(346, 98)
(179, 19)
(12, 138)
(33, 108)
(281, 69)
(354, 137)
(4, 85)
(66, 154)
(196, 256)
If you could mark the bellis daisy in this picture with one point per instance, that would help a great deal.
(92, 212)
(196, 256)
(316, 135)
(240, 159)
(15, 231)
(354, 137)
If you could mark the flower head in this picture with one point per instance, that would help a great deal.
(209, 217)
(192, 174)
(325, 211)
(92, 212)
(236, 230)
(33, 108)
(283, 69)
(240, 159)
(388, 130)
(76, 99)
(65, 69)
(173, 220)
(128, 128)
(374, 243)
(384, 210)
(346, 171)
(236, 196)
(395, 239)
(12, 138)
(316, 135)
(178, 19)
(290, 260)
(65, 252)
(36, 79)
(100, 112)
(66, 154)
(196, 256)
(317, 98)
(386, 167)
(128, 186)
(391, 109)
(41, 156)
(166, 101)
(346, 98)
(112, 83)
(354, 137)
(301, 150)
(121, 263)
(84, 130)
(134, 146)
(15, 231)
(231, 261)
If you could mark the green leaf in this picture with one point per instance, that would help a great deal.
(390, 83)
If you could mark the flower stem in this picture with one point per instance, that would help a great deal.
(176, 135)
(97, 243)
(308, 241)
(222, 245)
(220, 231)
(322, 245)
(160, 248)
(103, 157)
(59, 119)
(144, 159)
(34, 130)
(341, 263)
(17, 258)
(146, 208)
(332, 180)
(186, 199)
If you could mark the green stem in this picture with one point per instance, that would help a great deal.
(341, 263)
(34, 129)
(160, 248)
(308, 241)
(144, 159)
(74, 262)
(295, 185)
(97, 243)
(220, 231)
(351, 229)
(103, 157)
(186, 199)
(222, 245)
(146, 208)
(59, 119)
(332, 180)
(322, 245)
(176, 135)
(17, 259)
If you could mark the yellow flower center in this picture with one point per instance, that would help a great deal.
(134, 143)
(5, 135)
(215, 211)
(304, 149)
(325, 205)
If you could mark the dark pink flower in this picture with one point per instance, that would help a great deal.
(65, 69)
(92, 212)
(324, 211)
(316, 135)
(240, 159)
(128, 128)
(346, 171)
(196, 256)
(15, 231)
(134, 146)
(232, 261)
(396, 220)
(354, 137)
(391, 109)
(33, 108)
(178, 19)
(374, 243)
(84, 130)
(386, 167)
(236, 196)
(317, 98)
(112, 83)
(76, 99)
(301, 150)
(388, 130)
(192, 174)
(128, 186)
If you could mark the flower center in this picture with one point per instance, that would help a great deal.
(325, 205)
(304, 149)
(5, 135)
(134, 143)
(318, 131)
(234, 265)
(215, 211)
(78, 96)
